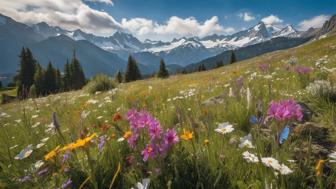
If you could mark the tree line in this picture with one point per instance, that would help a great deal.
(32, 80)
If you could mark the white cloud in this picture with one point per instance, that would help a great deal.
(246, 16)
(272, 19)
(70, 15)
(314, 22)
(174, 27)
(108, 2)
(75, 14)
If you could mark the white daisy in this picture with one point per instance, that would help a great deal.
(250, 158)
(246, 141)
(224, 128)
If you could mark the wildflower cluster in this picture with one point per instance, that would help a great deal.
(159, 141)
(285, 110)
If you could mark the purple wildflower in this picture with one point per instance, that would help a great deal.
(67, 183)
(285, 110)
(263, 67)
(303, 69)
(132, 140)
(25, 178)
(171, 137)
(149, 151)
(155, 130)
(43, 172)
(102, 140)
(65, 157)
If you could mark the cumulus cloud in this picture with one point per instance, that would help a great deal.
(75, 14)
(174, 27)
(108, 2)
(314, 22)
(246, 16)
(272, 19)
(70, 15)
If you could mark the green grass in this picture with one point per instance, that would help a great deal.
(177, 102)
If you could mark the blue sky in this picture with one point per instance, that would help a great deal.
(168, 19)
(290, 11)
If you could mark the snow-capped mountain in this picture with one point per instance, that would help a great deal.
(46, 31)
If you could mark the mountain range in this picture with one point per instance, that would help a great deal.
(100, 54)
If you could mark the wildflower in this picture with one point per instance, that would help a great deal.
(319, 167)
(84, 114)
(117, 117)
(303, 69)
(332, 157)
(253, 119)
(224, 128)
(284, 170)
(127, 134)
(171, 137)
(148, 152)
(187, 135)
(285, 110)
(246, 141)
(65, 157)
(79, 143)
(250, 158)
(102, 140)
(25, 179)
(155, 131)
(144, 185)
(24, 153)
(67, 183)
(263, 67)
(52, 153)
(38, 164)
(271, 162)
(40, 145)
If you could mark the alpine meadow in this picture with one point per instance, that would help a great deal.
(167, 94)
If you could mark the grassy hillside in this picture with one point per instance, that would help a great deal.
(194, 103)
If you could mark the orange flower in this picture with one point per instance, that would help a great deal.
(319, 167)
(127, 135)
(187, 135)
(117, 117)
(52, 153)
(79, 143)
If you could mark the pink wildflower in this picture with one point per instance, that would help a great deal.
(285, 110)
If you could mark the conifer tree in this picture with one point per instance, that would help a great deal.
(77, 77)
(163, 72)
(67, 76)
(59, 82)
(132, 70)
(25, 75)
(0, 84)
(39, 81)
(119, 77)
(50, 79)
(232, 58)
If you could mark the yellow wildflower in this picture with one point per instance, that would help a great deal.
(319, 167)
(79, 143)
(206, 141)
(52, 153)
(187, 135)
(127, 135)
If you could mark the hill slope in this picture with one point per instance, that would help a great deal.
(90, 145)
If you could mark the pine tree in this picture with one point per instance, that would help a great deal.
(25, 75)
(77, 78)
(0, 84)
(132, 71)
(163, 72)
(67, 76)
(39, 81)
(232, 58)
(201, 68)
(220, 63)
(50, 79)
(119, 77)
(59, 82)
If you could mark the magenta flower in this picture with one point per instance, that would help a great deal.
(155, 131)
(263, 67)
(149, 151)
(285, 110)
(303, 69)
(133, 139)
(171, 137)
